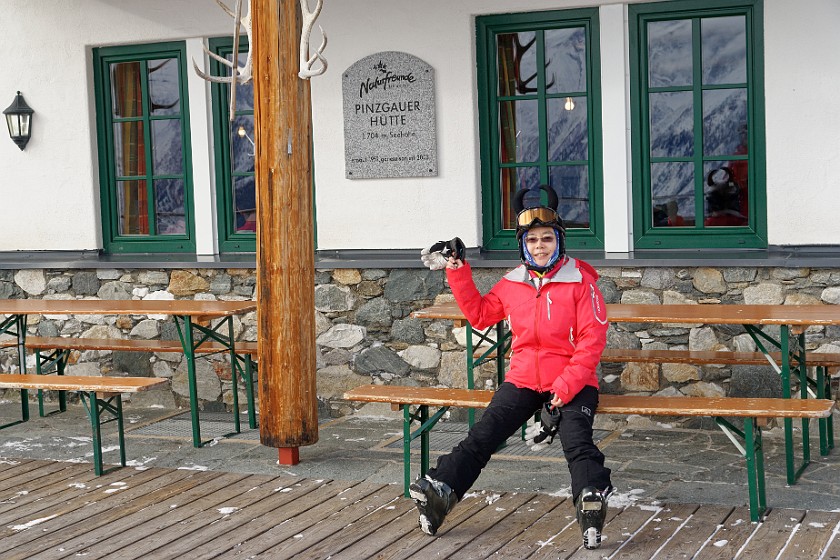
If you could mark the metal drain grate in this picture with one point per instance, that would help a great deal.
(444, 437)
(213, 425)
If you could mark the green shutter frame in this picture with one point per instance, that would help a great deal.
(645, 236)
(112, 241)
(487, 28)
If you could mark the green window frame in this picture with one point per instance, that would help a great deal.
(235, 185)
(697, 103)
(145, 166)
(517, 88)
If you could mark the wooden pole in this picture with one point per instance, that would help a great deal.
(285, 232)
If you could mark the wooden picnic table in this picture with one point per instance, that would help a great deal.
(189, 316)
(792, 320)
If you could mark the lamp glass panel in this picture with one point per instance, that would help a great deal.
(13, 123)
(25, 120)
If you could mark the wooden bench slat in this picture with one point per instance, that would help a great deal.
(78, 383)
(609, 404)
(129, 345)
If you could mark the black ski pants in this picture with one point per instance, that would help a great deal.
(507, 411)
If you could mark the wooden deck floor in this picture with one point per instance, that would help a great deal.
(61, 510)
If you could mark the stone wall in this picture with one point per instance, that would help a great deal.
(365, 334)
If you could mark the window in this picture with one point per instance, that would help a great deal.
(540, 119)
(235, 187)
(697, 119)
(144, 148)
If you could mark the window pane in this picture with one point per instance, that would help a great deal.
(724, 50)
(565, 60)
(724, 122)
(517, 54)
(126, 96)
(671, 124)
(512, 180)
(571, 182)
(568, 135)
(169, 206)
(669, 53)
(167, 152)
(518, 131)
(243, 147)
(132, 204)
(726, 192)
(129, 149)
(244, 92)
(245, 206)
(672, 194)
(164, 98)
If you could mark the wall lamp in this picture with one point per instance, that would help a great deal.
(19, 121)
(243, 134)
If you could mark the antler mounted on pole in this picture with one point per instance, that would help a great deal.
(238, 75)
(307, 63)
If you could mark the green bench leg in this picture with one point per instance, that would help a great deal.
(249, 390)
(755, 469)
(59, 359)
(826, 425)
(95, 408)
(423, 432)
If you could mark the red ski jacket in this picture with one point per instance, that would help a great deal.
(559, 330)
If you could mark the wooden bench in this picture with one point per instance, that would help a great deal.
(749, 409)
(817, 387)
(102, 397)
(61, 347)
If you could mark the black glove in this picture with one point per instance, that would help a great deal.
(546, 428)
(436, 256)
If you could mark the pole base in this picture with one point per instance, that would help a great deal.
(288, 455)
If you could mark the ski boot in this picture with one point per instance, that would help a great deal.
(434, 500)
(591, 509)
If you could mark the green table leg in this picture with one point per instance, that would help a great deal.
(186, 334)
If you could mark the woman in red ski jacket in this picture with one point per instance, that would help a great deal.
(558, 321)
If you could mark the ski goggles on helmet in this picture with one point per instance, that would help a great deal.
(540, 215)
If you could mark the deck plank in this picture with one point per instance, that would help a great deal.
(496, 512)
(694, 532)
(303, 499)
(617, 533)
(772, 535)
(500, 534)
(67, 502)
(122, 520)
(167, 514)
(72, 523)
(661, 527)
(416, 540)
(323, 531)
(363, 529)
(170, 521)
(724, 543)
(254, 499)
(284, 530)
(812, 536)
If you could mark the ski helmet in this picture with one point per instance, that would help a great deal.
(538, 216)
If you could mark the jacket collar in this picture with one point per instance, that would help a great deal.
(568, 273)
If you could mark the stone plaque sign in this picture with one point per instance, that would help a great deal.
(389, 117)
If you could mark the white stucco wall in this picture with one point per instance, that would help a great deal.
(48, 54)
